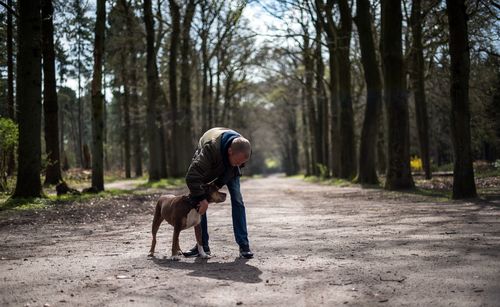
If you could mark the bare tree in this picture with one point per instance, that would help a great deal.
(50, 105)
(153, 94)
(398, 169)
(97, 100)
(29, 98)
(418, 84)
(463, 172)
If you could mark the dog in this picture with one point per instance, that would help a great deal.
(182, 213)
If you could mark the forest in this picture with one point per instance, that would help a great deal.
(372, 179)
(373, 92)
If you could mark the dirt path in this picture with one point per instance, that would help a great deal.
(314, 245)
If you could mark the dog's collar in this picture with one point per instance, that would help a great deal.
(193, 203)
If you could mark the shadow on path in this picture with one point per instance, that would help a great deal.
(238, 270)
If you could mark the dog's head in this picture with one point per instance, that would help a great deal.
(214, 196)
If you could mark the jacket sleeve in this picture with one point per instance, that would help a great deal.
(198, 170)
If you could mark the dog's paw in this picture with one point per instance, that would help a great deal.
(205, 256)
(151, 255)
(174, 258)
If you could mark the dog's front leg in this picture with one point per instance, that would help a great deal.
(199, 242)
(175, 244)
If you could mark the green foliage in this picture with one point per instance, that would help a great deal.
(164, 183)
(9, 135)
(323, 170)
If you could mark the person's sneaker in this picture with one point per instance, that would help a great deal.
(245, 252)
(194, 251)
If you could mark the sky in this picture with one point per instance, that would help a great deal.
(261, 22)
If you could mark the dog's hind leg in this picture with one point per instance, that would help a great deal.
(157, 219)
(175, 244)
(199, 243)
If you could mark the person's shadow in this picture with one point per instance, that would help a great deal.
(238, 270)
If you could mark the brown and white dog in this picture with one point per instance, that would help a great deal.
(181, 212)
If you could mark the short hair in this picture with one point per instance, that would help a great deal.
(241, 145)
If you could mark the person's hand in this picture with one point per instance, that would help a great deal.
(203, 206)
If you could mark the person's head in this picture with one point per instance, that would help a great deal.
(239, 151)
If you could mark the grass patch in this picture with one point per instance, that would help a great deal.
(27, 204)
(338, 182)
(22, 204)
(164, 183)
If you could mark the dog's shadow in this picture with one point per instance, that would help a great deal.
(238, 270)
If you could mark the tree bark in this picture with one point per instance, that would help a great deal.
(97, 100)
(347, 150)
(309, 96)
(418, 85)
(331, 34)
(367, 172)
(126, 115)
(463, 171)
(175, 16)
(10, 83)
(134, 97)
(50, 106)
(321, 105)
(398, 169)
(305, 132)
(152, 96)
(28, 98)
(10, 64)
(184, 139)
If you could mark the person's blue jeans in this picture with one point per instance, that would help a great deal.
(238, 213)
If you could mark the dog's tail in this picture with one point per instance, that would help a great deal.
(156, 225)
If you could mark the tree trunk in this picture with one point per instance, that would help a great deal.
(97, 100)
(136, 128)
(331, 34)
(367, 172)
(347, 150)
(321, 132)
(11, 165)
(29, 96)
(152, 96)
(126, 114)
(311, 111)
(463, 171)
(418, 85)
(305, 133)
(175, 16)
(293, 150)
(79, 152)
(184, 140)
(398, 169)
(134, 97)
(10, 64)
(50, 107)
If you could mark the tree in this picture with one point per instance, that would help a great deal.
(79, 30)
(97, 100)
(29, 98)
(463, 172)
(153, 96)
(331, 42)
(50, 105)
(10, 63)
(321, 124)
(398, 169)
(367, 172)
(418, 84)
(10, 80)
(347, 150)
